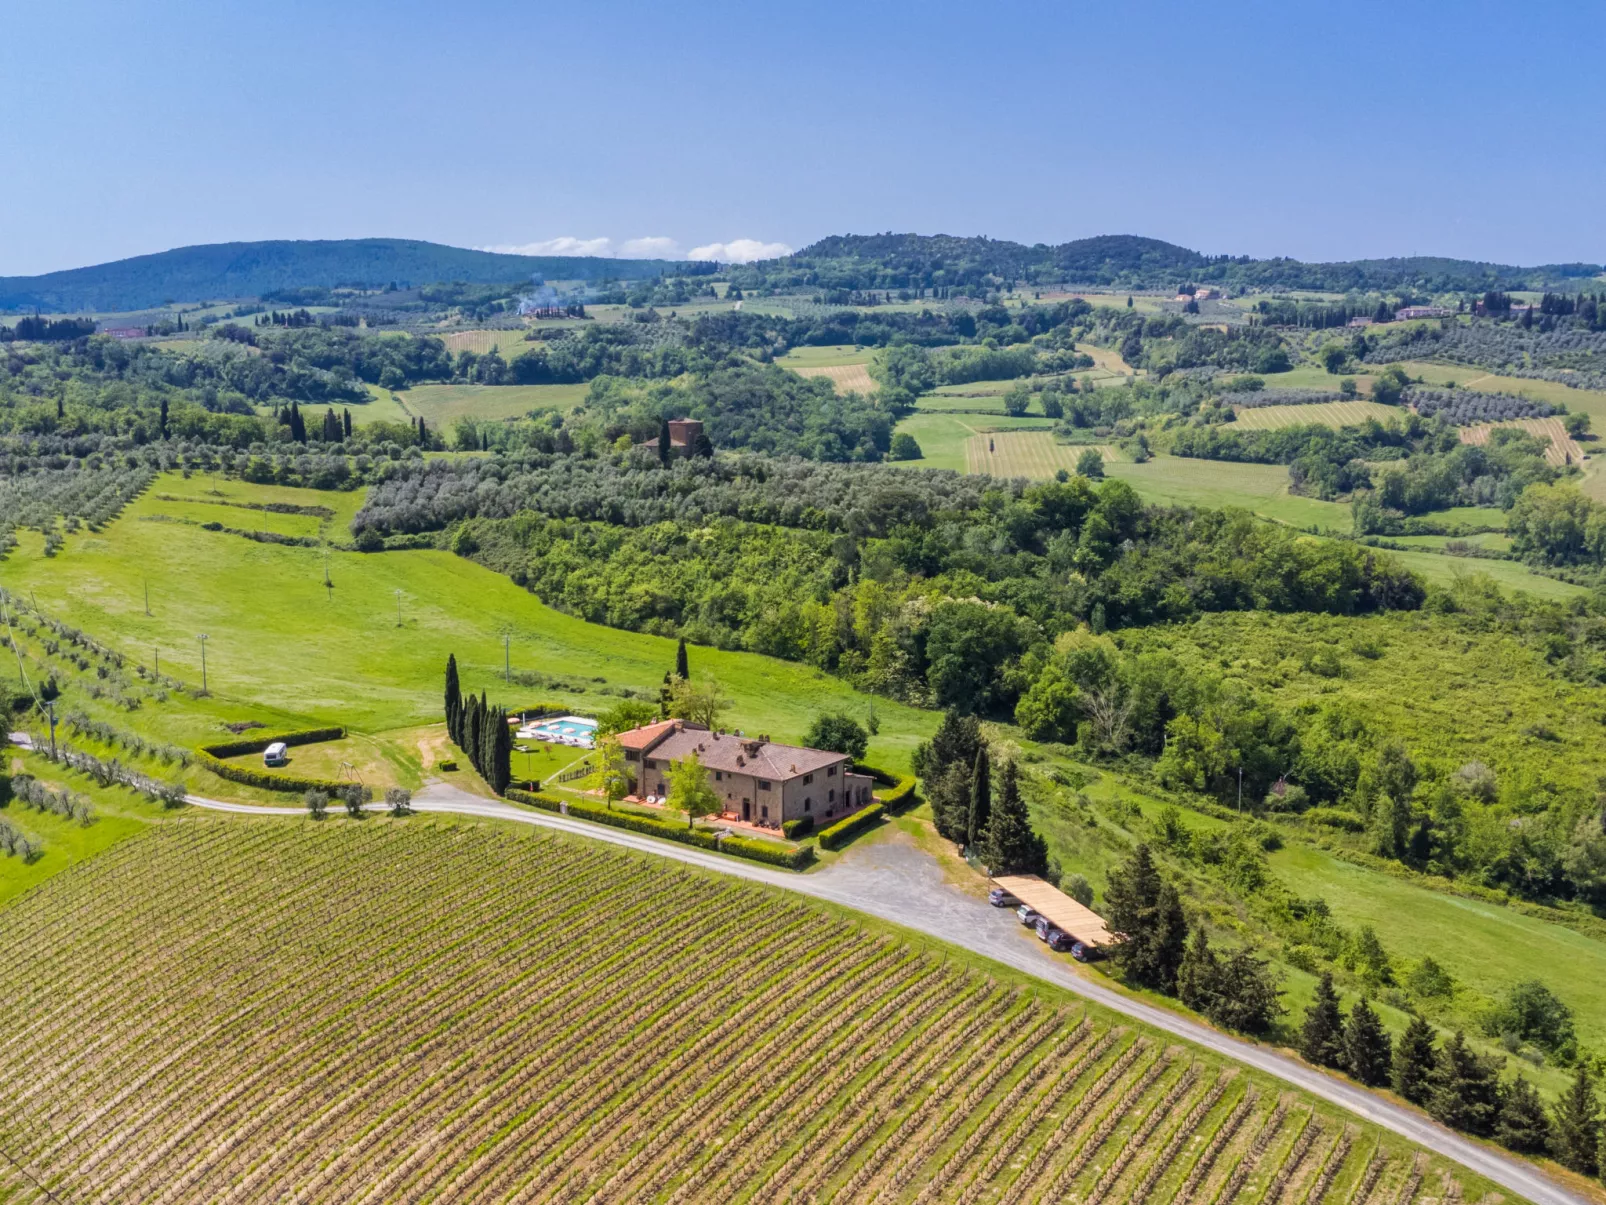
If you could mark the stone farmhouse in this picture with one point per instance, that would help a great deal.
(757, 780)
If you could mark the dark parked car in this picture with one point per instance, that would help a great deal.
(1079, 952)
(1027, 916)
(999, 898)
(1061, 941)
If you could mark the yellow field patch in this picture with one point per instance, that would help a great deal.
(1031, 454)
(1563, 450)
(1330, 414)
(507, 343)
(848, 378)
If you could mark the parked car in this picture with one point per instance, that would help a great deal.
(276, 754)
(1026, 915)
(999, 898)
(1061, 941)
(1079, 952)
(1051, 933)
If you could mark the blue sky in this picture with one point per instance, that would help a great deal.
(1321, 131)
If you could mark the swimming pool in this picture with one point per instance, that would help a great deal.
(567, 730)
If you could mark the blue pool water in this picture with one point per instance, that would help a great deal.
(572, 726)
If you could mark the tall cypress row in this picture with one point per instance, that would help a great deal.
(454, 700)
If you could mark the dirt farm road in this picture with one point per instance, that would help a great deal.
(896, 882)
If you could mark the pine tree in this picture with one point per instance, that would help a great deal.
(1321, 1039)
(1199, 974)
(1147, 911)
(682, 666)
(981, 799)
(1246, 994)
(1524, 1125)
(1466, 1089)
(454, 701)
(1575, 1125)
(1011, 847)
(1368, 1052)
(1415, 1060)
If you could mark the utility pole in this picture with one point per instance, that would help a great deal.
(158, 653)
(203, 662)
(51, 704)
(147, 596)
(507, 664)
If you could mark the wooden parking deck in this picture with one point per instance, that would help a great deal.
(1064, 913)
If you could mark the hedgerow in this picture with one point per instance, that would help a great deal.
(211, 756)
(742, 847)
(840, 833)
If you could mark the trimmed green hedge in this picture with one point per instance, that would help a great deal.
(211, 756)
(255, 744)
(840, 833)
(801, 827)
(742, 847)
(768, 851)
(901, 786)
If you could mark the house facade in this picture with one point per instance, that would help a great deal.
(758, 781)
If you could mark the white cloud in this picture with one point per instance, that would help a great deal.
(651, 247)
(740, 251)
(563, 245)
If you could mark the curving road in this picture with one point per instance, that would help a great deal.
(897, 883)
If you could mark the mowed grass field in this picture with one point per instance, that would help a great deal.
(279, 640)
(442, 405)
(1328, 414)
(945, 437)
(285, 1010)
(1032, 454)
(1261, 488)
(847, 367)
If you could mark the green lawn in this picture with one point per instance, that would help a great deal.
(1261, 488)
(1484, 946)
(279, 640)
(118, 814)
(830, 356)
(442, 405)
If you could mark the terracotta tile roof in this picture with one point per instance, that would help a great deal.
(732, 754)
(640, 738)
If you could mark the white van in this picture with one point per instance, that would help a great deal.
(276, 754)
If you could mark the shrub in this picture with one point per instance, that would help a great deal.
(801, 827)
(901, 787)
(768, 851)
(1336, 818)
(841, 833)
(742, 847)
(211, 756)
(904, 447)
(309, 736)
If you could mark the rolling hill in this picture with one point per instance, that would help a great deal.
(230, 270)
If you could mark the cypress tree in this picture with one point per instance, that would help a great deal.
(501, 766)
(682, 666)
(488, 744)
(1575, 1125)
(1321, 1040)
(164, 418)
(663, 442)
(981, 799)
(1199, 974)
(1466, 1089)
(345, 422)
(1011, 847)
(470, 743)
(1524, 1126)
(1368, 1052)
(1415, 1060)
(483, 737)
(454, 700)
